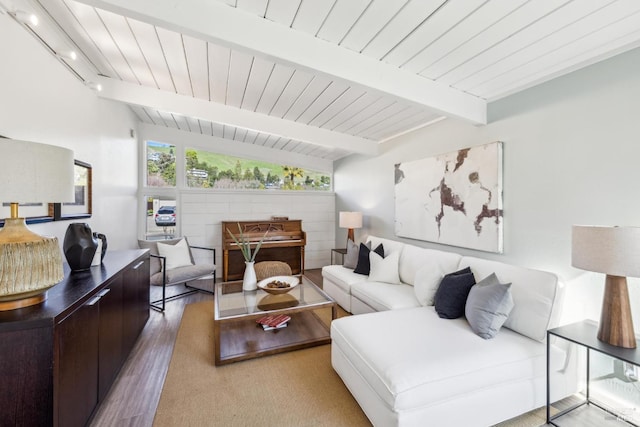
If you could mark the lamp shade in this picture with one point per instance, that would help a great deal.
(350, 220)
(29, 263)
(33, 172)
(610, 250)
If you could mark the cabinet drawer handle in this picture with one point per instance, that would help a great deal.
(93, 301)
(135, 267)
(103, 292)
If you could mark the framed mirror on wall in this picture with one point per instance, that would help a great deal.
(81, 207)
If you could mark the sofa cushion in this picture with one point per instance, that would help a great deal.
(364, 265)
(351, 257)
(180, 274)
(385, 296)
(413, 259)
(534, 293)
(412, 358)
(426, 282)
(342, 277)
(384, 269)
(452, 293)
(488, 305)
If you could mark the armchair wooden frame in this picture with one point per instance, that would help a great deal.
(159, 304)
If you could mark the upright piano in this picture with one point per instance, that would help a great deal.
(285, 241)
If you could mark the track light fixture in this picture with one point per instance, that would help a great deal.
(26, 18)
(68, 55)
(94, 86)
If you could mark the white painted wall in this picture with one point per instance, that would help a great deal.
(42, 102)
(571, 156)
(202, 213)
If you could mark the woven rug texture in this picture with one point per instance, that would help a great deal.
(298, 388)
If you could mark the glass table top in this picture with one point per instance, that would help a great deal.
(231, 302)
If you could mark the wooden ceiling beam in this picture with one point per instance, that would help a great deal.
(134, 94)
(219, 23)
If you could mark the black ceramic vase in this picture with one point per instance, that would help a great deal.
(79, 246)
(102, 237)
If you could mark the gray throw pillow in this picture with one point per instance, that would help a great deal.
(351, 258)
(488, 306)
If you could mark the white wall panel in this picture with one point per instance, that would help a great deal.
(203, 212)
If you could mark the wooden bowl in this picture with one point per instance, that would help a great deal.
(293, 281)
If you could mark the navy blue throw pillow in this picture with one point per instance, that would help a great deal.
(465, 270)
(364, 266)
(452, 294)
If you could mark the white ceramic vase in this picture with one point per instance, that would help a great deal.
(249, 281)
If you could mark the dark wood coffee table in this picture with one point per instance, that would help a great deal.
(238, 337)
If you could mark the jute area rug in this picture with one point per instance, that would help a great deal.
(298, 388)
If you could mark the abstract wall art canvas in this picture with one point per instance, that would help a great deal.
(453, 199)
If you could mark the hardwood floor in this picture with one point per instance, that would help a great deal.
(134, 396)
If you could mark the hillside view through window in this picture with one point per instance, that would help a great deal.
(205, 169)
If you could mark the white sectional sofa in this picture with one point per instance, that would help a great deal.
(406, 366)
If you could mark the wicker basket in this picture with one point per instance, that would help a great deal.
(266, 269)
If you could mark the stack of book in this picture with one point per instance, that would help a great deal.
(274, 321)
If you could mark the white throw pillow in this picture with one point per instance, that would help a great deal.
(426, 282)
(176, 255)
(385, 269)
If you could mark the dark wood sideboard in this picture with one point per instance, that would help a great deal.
(58, 359)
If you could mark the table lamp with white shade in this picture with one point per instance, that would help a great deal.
(614, 251)
(350, 221)
(29, 263)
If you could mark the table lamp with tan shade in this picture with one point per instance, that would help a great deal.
(29, 263)
(350, 221)
(614, 251)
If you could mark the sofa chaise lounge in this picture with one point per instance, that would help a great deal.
(406, 366)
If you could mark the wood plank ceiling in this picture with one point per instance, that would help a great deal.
(279, 97)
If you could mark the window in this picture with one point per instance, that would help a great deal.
(161, 164)
(205, 169)
(161, 217)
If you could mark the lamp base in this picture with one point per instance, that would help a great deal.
(616, 324)
(351, 235)
(30, 264)
(25, 301)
